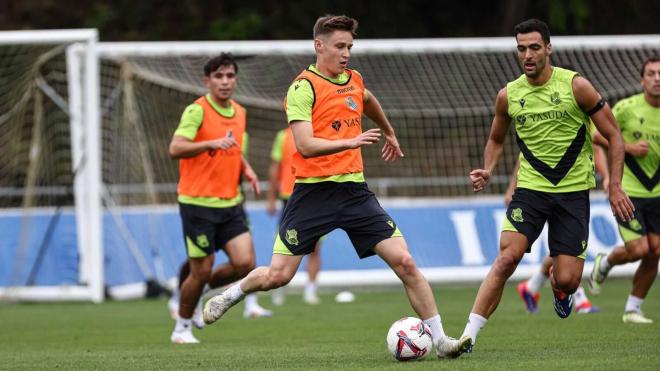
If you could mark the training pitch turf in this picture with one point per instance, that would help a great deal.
(135, 335)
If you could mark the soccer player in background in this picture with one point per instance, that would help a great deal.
(210, 166)
(282, 179)
(639, 119)
(324, 107)
(550, 108)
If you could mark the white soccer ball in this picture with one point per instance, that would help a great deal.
(409, 339)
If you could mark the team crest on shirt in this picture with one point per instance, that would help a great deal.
(351, 103)
(292, 237)
(202, 241)
(635, 225)
(336, 125)
(637, 134)
(390, 223)
(521, 120)
(516, 215)
(554, 98)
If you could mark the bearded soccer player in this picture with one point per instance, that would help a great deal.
(639, 119)
(550, 108)
(324, 106)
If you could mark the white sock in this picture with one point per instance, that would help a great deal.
(605, 265)
(310, 288)
(580, 296)
(250, 301)
(183, 324)
(536, 282)
(235, 293)
(634, 304)
(437, 332)
(176, 293)
(474, 324)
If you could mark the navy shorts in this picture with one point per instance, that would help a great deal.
(567, 215)
(316, 209)
(208, 229)
(647, 219)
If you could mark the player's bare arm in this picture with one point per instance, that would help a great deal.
(250, 175)
(373, 110)
(638, 149)
(498, 131)
(182, 147)
(310, 146)
(589, 101)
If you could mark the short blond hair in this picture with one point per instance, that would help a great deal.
(329, 23)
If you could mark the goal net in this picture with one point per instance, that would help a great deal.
(49, 171)
(72, 180)
(439, 95)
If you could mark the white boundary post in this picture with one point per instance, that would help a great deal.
(94, 245)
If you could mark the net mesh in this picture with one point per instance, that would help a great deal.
(36, 174)
(440, 103)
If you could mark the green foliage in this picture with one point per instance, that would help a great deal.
(135, 335)
(125, 20)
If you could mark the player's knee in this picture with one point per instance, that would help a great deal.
(505, 264)
(278, 279)
(654, 250)
(405, 265)
(244, 266)
(638, 249)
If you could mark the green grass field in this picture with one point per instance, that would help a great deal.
(135, 335)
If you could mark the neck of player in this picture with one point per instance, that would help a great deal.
(543, 77)
(325, 71)
(224, 103)
(654, 101)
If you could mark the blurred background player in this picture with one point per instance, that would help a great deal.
(550, 108)
(324, 107)
(282, 179)
(639, 119)
(529, 290)
(210, 167)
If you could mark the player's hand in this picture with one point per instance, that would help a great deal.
(479, 178)
(223, 143)
(391, 150)
(621, 205)
(251, 177)
(370, 136)
(638, 149)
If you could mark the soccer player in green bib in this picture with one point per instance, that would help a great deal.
(550, 108)
(639, 119)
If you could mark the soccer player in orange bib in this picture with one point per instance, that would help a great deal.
(324, 107)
